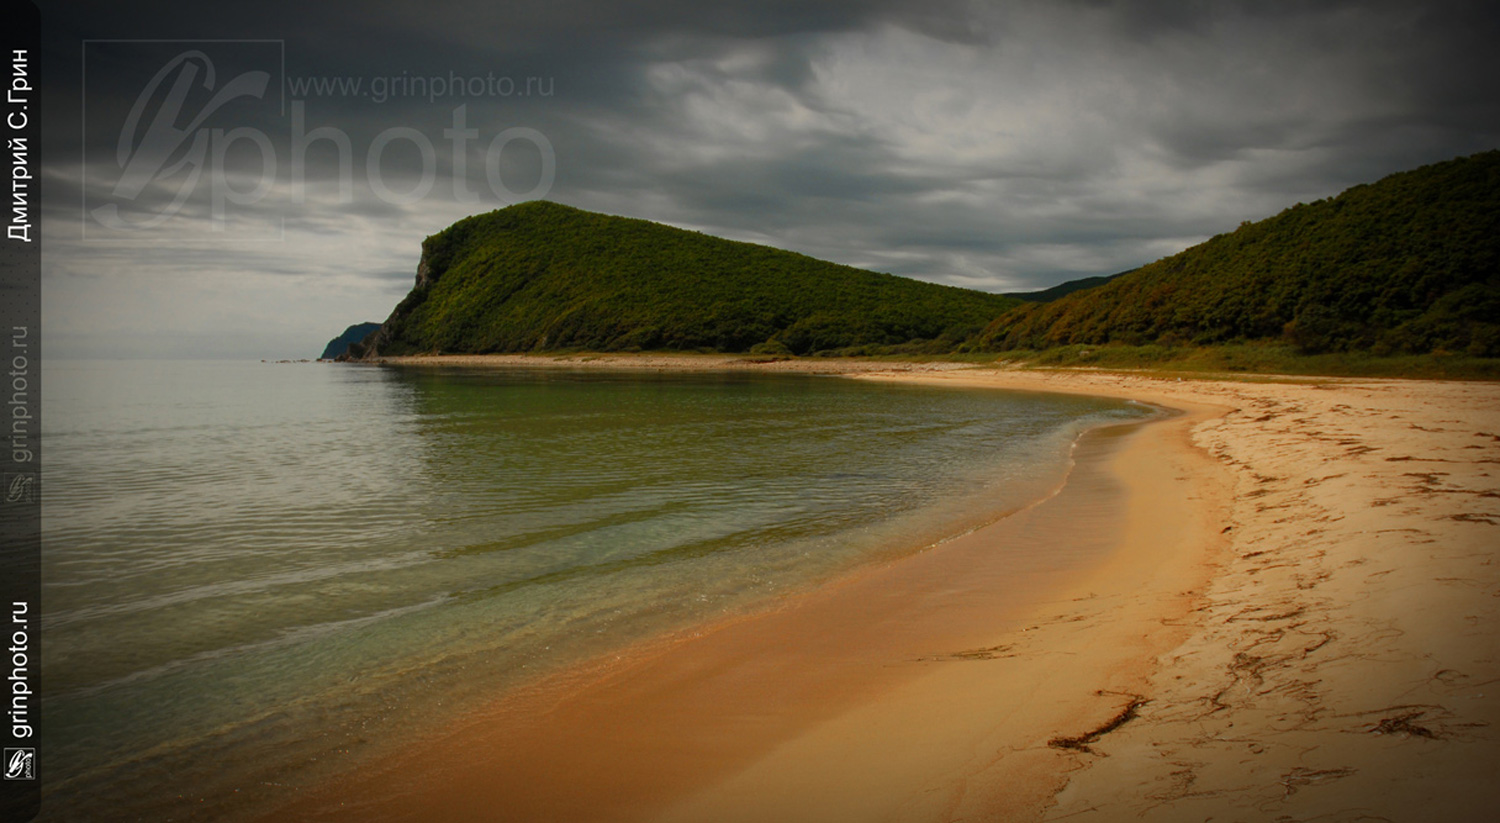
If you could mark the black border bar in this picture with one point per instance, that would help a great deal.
(21, 454)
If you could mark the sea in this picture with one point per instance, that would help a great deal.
(258, 575)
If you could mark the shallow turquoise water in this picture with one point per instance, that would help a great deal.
(284, 566)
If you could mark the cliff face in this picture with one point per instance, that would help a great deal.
(544, 277)
(369, 346)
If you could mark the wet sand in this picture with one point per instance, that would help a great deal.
(1278, 605)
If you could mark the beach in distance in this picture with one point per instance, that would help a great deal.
(1275, 600)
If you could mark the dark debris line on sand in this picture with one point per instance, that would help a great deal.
(1081, 742)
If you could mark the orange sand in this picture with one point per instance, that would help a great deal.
(1294, 584)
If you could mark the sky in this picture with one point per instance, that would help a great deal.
(245, 180)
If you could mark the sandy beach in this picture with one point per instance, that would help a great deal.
(1342, 662)
(1276, 604)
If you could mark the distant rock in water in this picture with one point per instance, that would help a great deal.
(339, 345)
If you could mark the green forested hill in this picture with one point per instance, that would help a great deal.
(541, 276)
(1408, 264)
(1064, 289)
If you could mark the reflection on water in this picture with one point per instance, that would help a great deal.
(256, 572)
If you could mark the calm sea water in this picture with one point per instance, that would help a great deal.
(256, 574)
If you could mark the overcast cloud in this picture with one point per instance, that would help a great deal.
(999, 146)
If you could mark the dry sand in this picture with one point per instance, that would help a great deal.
(1278, 606)
(1344, 662)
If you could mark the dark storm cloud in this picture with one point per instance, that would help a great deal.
(1000, 146)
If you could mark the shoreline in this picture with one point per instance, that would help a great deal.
(972, 738)
(597, 748)
(1135, 695)
(670, 363)
(676, 723)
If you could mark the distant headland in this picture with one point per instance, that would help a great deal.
(1406, 267)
